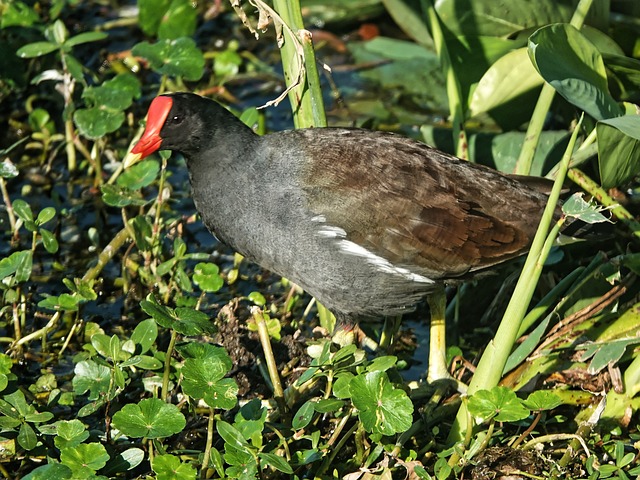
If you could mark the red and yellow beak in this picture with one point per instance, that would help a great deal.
(151, 141)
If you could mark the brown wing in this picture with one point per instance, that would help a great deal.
(416, 206)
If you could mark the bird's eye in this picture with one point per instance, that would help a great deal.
(177, 119)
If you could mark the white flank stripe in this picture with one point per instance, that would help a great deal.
(382, 264)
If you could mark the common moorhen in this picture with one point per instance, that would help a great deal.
(367, 222)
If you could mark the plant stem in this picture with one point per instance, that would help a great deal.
(454, 93)
(525, 159)
(306, 97)
(494, 358)
(263, 333)
(208, 444)
(167, 366)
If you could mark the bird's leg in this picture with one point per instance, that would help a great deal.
(438, 370)
(437, 341)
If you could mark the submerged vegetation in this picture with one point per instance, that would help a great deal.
(136, 346)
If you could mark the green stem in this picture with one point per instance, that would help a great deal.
(167, 366)
(306, 97)
(454, 93)
(534, 130)
(208, 444)
(491, 365)
(263, 333)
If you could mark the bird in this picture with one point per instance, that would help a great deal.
(368, 222)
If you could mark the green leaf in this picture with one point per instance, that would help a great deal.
(56, 32)
(45, 215)
(203, 378)
(186, 321)
(116, 196)
(63, 302)
(17, 14)
(89, 376)
(8, 169)
(49, 240)
(23, 211)
(107, 103)
(257, 298)
(126, 460)
(84, 459)
(18, 263)
(27, 438)
(36, 49)
(607, 353)
(232, 436)
(179, 20)
(69, 433)
(328, 405)
(179, 58)
(52, 471)
(85, 37)
(542, 400)
(499, 403)
(207, 277)
(140, 175)
(587, 212)
(143, 232)
(145, 334)
(274, 461)
(381, 407)
(507, 79)
(382, 363)
(574, 67)
(150, 14)
(472, 17)
(618, 147)
(169, 467)
(151, 418)
(304, 415)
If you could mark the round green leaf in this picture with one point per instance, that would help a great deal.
(381, 407)
(89, 376)
(140, 175)
(500, 403)
(169, 467)
(84, 459)
(542, 400)
(203, 378)
(151, 418)
(207, 277)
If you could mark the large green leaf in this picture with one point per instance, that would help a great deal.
(500, 17)
(574, 67)
(618, 149)
(508, 78)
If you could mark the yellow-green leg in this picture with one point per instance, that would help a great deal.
(437, 340)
